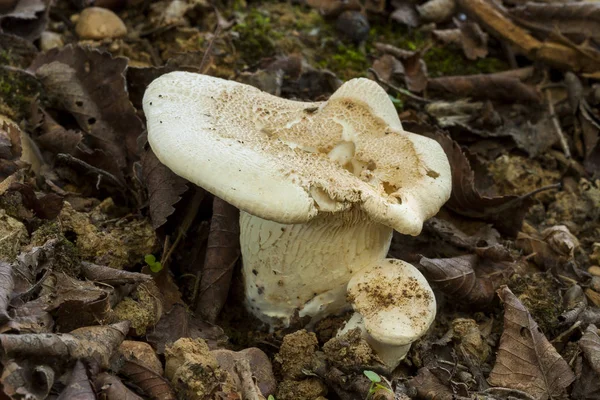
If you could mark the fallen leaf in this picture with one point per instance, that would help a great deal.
(30, 317)
(78, 385)
(111, 276)
(153, 385)
(24, 379)
(437, 10)
(587, 385)
(258, 362)
(430, 387)
(164, 187)
(112, 388)
(505, 212)
(47, 206)
(28, 18)
(578, 21)
(491, 86)
(415, 73)
(96, 342)
(473, 39)
(526, 360)
(470, 279)
(222, 253)
(90, 85)
(6, 289)
(405, 13)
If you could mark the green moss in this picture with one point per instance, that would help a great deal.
(346, 61)
(257, 36)
(17, 90)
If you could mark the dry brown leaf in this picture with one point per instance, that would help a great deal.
(505, 212)
(405, 13)
(469, 279)
(96, 342)
(473, 39)
(111, 276)
(415, 73)
(25, 380)
(556, 54)
(164, 187)
(578, 20)
(587, 385)
(90, 85)
(492, 86)
(111, 388)
(154, 386)
(78, 386)
(28, 18)
(6, 290)
(526, 360)
(222, 253)
(430, 387)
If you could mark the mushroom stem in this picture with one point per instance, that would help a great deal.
(306, 267)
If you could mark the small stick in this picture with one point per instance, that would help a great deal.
(556, 124)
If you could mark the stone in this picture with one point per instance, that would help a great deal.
(98, 23)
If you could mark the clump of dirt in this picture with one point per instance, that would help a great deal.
(307, 389)
(349, 351)
(194, 372)
(576, 207)
(13, 235)
(467, 332)
(143, 308)
(297, 353)
(539, 293)
(101, 240)
(296, 357)
(515, 174)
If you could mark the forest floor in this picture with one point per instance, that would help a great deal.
(117, 282)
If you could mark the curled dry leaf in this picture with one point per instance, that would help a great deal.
(28, 18)
(526, 360)
(505, 212)
(551, 248)
(111, 276)
(152, 384)
(47, 206)
(587, 385)
(78, 386)
(165, 188)
(112, 388)
(563, 55)
(470, 279)
(23, 379)
(405, 13)
(577, 20)
(430, 387)
(6, 289)
(90, 85)
(96, 342)
(222, 253)
(473, 39)
(491, 86)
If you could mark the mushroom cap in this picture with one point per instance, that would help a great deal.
(289, 161)
(395, 301)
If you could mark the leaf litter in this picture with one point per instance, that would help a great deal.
(507, 88)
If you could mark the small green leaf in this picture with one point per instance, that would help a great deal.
(271, 397)
(373, 377)
(155, 266)
(150, 259)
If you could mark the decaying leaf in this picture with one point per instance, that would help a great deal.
(577, 20)
(111, 276)
(78, 385)
(24, 379)
(405, 13)
(526, 360)
(90, 85)
(492, 86)
(153, 385)
(112, 388)
(505, 212)
(560, 54)
(222, 253)
(551, 248)
(6, 289)
(164, 188)
(28, 18)
(587, 385)
(473, 39)
(471, 279)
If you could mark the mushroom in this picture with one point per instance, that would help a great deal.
(394, 306)
(321, 186)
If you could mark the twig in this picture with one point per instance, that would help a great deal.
(556, 124)
(249, 389)
(397, 89)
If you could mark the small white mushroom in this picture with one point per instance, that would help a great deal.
(321, 186)
(394, 305)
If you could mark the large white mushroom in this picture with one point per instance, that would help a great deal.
(321, 186)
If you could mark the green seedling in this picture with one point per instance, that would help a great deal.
(375, 383)
(155, 266)
(271, 397)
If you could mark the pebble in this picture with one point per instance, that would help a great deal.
(99, 23)
(50, 40)
(594, 270)
(595, 283)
